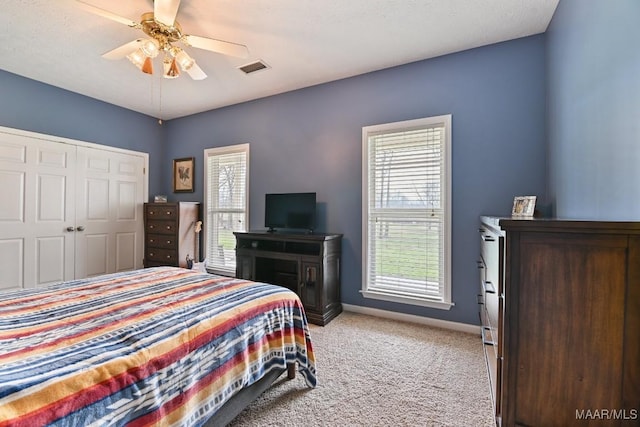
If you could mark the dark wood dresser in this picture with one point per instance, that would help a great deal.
(560, 312)
(308, 264)
(169, 230)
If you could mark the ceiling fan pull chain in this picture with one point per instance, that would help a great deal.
(160, 107)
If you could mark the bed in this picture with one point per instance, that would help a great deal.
(159, 346)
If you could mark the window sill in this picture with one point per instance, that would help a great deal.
(227, 273)
(404, 299)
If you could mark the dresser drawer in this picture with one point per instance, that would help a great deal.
(490, 252)
(484, 321)
(149, 263)
(494, 308)
(168, 212)
(166, 241)
(170, 257)
(482, 271)
(162, 227)
(494, 369)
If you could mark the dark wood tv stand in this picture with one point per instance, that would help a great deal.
(308, 264)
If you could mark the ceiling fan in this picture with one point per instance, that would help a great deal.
(163, 32)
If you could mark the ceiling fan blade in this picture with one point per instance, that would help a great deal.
(165, 11)
(124, 50)
(106, 14)
(219, 46)
(196, 72)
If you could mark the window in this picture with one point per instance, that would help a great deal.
(226, 200)
(406, 211)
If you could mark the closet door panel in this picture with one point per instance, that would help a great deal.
(109, 210)
(11, 263)
(129, 199)
(12, 196)
(125, 251)
(96, 246)
(13, 170)
(127, 212)
(51, 244)
(36, 209)
(50, 259)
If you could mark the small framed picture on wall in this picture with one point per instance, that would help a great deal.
(183, 170)
(523, 206)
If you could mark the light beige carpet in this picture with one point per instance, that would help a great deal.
(379, 372)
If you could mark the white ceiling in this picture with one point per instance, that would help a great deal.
(304, 42)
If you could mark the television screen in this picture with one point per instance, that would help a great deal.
(290, 210)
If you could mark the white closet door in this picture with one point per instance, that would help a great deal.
(68, 209)
(36, 209)
(109, 198)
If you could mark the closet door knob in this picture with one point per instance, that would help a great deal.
(70, 229)
(80, 228)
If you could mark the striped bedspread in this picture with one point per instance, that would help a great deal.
(160, 346)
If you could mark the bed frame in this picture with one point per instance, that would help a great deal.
(238, 403)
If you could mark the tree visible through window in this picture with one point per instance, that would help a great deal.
(226, 195)
(406, 213)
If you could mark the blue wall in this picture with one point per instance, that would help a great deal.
(310, 140)
(29, 105)
(587, 64)
(594, 109)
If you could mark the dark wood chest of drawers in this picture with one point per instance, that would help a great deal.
(169, 233)
(560, 310)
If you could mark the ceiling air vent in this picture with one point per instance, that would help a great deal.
(253, 67)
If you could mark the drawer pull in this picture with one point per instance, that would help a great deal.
(488, 287)
(168, 256)
(168, 212)
(488, 238)
(168, 242)
(168, 227)
(480, 264)
(151, 212)
(151, 226)
(151, 241)
(150, 253)
(485, 340)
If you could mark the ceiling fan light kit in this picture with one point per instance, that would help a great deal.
(186, 62)
(150, 47)
(147, 66)
(163, 31)
(171, 70)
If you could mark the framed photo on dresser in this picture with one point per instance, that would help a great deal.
(523, 206)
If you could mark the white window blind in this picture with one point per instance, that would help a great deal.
(226, 199)
(406, 212)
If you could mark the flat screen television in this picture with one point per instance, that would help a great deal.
(295, 211)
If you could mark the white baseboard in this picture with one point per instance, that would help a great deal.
(437, 323)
